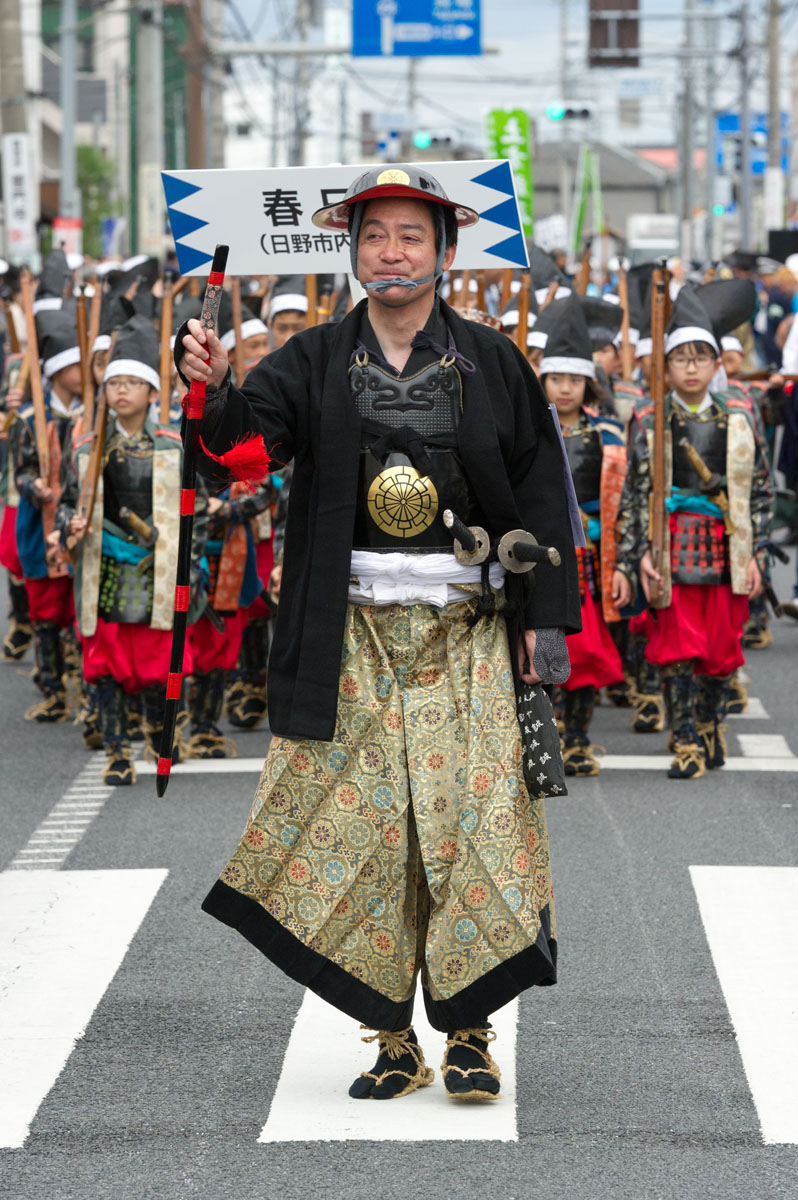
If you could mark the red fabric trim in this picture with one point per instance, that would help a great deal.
(195, 408)
(593, 654)
(211, 647)
(704, 623)
(216, 278)
(181, 598)
(51, 600)
(9, 557)
(188, 498)
(136, 656)
(174, 685)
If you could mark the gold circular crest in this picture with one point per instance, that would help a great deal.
(402, 502)
(400, 177)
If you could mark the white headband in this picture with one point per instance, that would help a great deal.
(567, 366)
(132, 366)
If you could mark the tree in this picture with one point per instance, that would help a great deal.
(96, 174)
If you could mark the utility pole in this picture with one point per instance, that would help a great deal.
(688, 139)
(195, 57)
(774, 179)
(745, 134)
(214, 87)
(150, 125)
(565, 182)
(793, 142)
(710, 166)
(301, 87)
(68, 199)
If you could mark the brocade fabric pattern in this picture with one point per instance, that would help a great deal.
(409, 843)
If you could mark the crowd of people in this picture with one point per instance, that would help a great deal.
(91, 593)
(492, 497)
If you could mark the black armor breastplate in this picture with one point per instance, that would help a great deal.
(127, 480)
(709, 439)
(408, 478)
(584, 458)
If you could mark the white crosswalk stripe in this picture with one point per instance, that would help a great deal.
(63, 935)
(323, 1057)
(750, 915)
(64, 826)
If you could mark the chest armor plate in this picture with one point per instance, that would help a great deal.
(401, 499)
(127, 479)
(584, 458)
(709, 439)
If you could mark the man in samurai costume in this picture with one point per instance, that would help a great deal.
(391, 832)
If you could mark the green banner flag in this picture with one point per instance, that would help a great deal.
(509, 136)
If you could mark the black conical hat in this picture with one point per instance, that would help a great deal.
(638, 283)
(543, 269)
(52, 281)
(116, 310)
(57, 335)
(546, 321)
(729, 302)
(568, 348)
(136, 352)
(143, 270)
(603, 319)
(690, 322)
(288, 295)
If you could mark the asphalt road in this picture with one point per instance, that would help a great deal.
(630, 1079)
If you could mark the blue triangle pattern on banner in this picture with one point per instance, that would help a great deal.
(189, 259)
(499, 177)
(176, 189)
(513, 248)
(505, 213)
(183, 224)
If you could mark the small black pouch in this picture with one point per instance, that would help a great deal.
(540, 742)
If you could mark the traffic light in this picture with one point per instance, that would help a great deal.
(562, 112)
(422, 140)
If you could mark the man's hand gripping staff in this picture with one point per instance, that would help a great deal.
(199, 372)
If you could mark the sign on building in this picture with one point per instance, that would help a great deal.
(415, 28)
(509, 135)
(727, 142)
(68, 234)
(21, 209)
(264, 216)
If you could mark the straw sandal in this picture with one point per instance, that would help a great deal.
(398, 1047)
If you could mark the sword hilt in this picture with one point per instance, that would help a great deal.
(519, 551)
(471, 544)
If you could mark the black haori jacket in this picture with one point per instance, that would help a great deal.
(298, 398)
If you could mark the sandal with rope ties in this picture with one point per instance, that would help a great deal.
(469, 1071)
(399, 1070)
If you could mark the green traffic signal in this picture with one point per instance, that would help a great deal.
(718, 210)
(422, 140)
(555, 112)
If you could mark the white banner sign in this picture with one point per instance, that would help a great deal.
(264, 216)
(20, 206)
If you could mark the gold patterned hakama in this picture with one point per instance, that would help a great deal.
(409, 843)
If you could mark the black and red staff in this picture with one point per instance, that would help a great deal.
(194, 406)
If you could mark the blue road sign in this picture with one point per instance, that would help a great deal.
(727, 135)
(415, 28)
